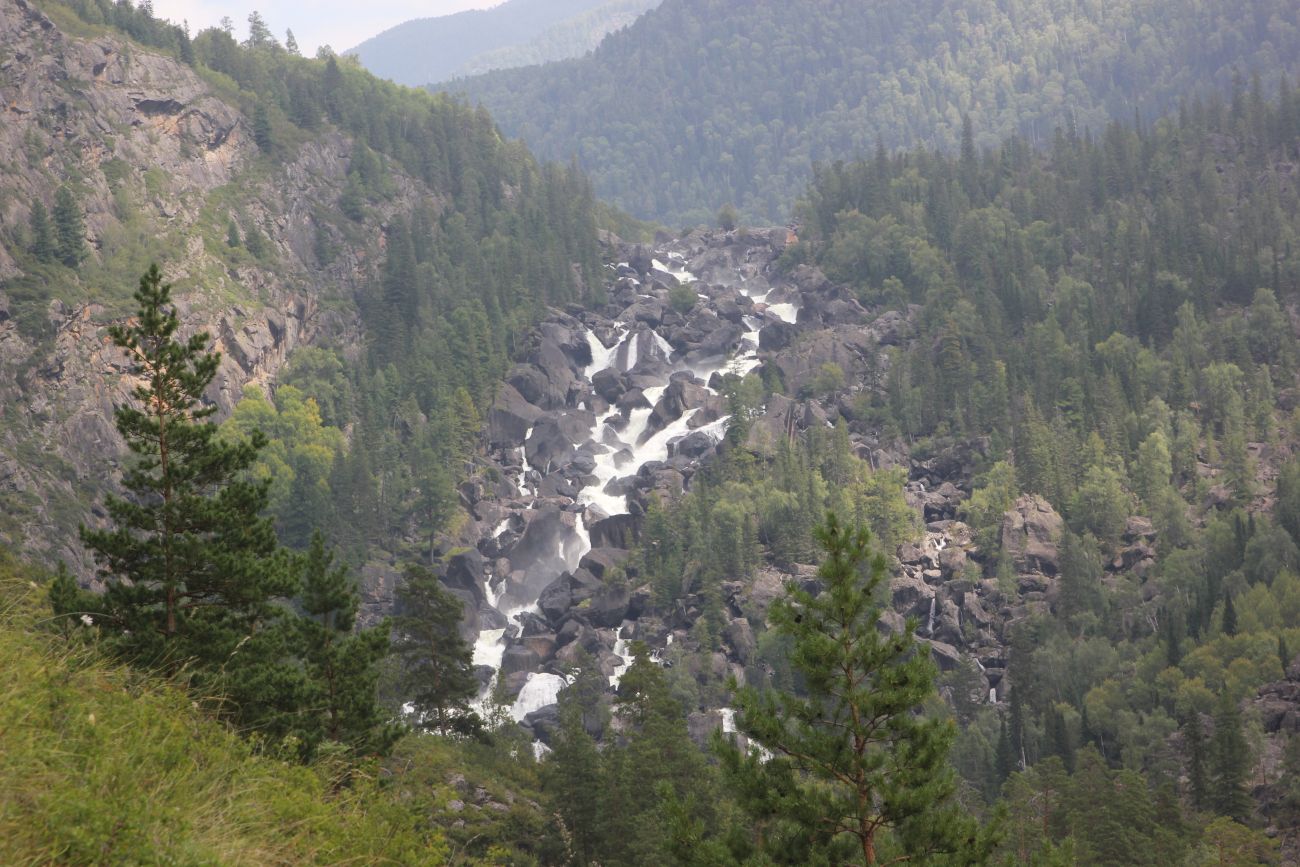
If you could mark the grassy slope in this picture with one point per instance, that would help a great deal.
(99, 765)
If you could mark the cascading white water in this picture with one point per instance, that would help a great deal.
(620, 445)
(625, 657)
(542, 689)
(929, 624)
(525, 469)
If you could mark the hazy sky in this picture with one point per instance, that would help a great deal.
(341, 24)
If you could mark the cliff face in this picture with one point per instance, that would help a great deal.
(161, 163)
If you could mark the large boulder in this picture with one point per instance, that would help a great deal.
(601, 561)
(467, 570)
(847, 347)
(554, 439)
(1031, 534)
(620, 531)
(556, 600)
(607, 608)
(510, 418)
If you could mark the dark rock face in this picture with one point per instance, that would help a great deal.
(467, 571)
(1278, 703)
(619, 531)
(510, 418)
(599, 561)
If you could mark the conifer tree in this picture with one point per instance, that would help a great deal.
(437, 675)
(341, 664)
(191, 565)
(262, 133)
(1229, 623)
(41, 243)
(1229, 762)
(854, 775)
(69, 229)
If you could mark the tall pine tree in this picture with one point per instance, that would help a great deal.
(41, 243)
(341, 664)
(191, 566)
(854, 775)
(436, 675)
(69, 229)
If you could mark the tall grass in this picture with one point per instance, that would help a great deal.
(102, 765)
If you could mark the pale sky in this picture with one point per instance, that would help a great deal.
(341, 24)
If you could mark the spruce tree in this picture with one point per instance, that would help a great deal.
(1229, 762)
(191, 565)
(573, 774)
(436, 675)
(1229, 623)
(41, 243)
(69, 229)
(341, 664)
(262, 132)
(854, 776)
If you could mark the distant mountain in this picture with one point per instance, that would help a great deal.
(704, 102)
(515, 33)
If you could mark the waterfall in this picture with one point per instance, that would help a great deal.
(929, 624)
(542, 689)
(625, 660)
(620, 443)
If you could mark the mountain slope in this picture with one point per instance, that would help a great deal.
(703, 102)
(294, 203)
(515, 33)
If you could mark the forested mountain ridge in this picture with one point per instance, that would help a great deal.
(295, 204)
(511, 34)
(707, 102)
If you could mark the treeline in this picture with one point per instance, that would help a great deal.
(705, 102)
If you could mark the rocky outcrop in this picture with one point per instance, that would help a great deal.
(1278, 704)
(150, 143)
(1031, 536)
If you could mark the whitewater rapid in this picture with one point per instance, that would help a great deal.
(621, 443)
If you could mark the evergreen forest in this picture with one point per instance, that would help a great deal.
(702, 103)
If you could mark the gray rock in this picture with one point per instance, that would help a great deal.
(1031, 534)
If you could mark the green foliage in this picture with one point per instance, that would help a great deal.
(340, 662)
(435, 674)
(772, 84)
(101, 765)
(191, 568)
(728, 217)
(683, 298)
(849, 771)
(297, 459)
(649, 796)
(41, 243)
(1096, 815)
(69, 229)
(1229, 763)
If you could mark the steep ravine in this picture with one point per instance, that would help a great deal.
(616, 407)
(611, 408)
